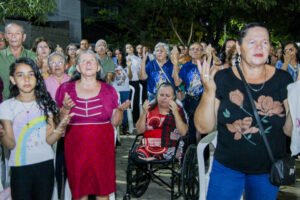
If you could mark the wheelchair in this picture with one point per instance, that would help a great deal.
(178, 176)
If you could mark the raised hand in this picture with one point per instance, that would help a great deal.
(128, 62)
(124, 106)
(63, 123)
(145, 53)
(175, 56)
(68, 103)
(2, 131)
(207, 76)
(173, 107)
(146, 106)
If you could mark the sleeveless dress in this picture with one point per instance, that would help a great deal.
(89, 142)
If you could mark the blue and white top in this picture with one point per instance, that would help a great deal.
(291, 70)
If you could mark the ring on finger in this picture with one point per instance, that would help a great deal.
(206, 75)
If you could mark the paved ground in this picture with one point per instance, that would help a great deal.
(155, 192)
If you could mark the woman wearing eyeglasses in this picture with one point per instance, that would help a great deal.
(290, 60)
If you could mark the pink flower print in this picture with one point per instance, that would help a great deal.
(267, 106)
(241, 127)
(236, 97)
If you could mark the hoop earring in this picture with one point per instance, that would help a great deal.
(239, 58)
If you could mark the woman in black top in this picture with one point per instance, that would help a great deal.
(241, 161)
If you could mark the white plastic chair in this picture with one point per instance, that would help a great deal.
(210, 139)
(129, 111)
(141, 99)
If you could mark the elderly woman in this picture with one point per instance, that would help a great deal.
(42, 50)
(56, 63)
(89, 140)
(241, 162)
(158, 70)
(162, 123)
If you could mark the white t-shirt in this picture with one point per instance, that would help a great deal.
(29, 128)
(121, 80)
(135, 67)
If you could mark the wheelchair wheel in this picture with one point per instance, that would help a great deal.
(139, 180)
(190, 175)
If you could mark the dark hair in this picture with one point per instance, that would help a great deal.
(37, 41)
(42, 97)
(223, 55)
(243, 32)
(76, 75)
(295, 46)
(163, 85)
(67, 49)
(123, 60)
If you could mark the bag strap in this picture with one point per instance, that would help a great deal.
(163, 71)
(261, 128)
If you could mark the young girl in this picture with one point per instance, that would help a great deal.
(28, 129)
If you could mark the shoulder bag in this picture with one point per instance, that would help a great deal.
(283, 171)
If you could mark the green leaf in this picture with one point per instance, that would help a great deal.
(267, 130)
(226, 114)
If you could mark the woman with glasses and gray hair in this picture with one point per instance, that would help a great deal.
(157, 71)
(56, 63)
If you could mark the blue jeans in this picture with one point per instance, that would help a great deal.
(124, 95)
(226, 183)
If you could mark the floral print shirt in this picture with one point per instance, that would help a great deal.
(240, 145)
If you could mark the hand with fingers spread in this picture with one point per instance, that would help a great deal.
(175, 56)
(207, 76)
(68, 103)
(124, 106)
(145, 53)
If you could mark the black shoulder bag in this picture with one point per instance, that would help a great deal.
(283, 171)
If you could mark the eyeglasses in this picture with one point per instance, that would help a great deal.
(72, 49)
(196, 49)
(56, 63)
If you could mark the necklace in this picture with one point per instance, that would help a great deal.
(262, 86)
(27, 109)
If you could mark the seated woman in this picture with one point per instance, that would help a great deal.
(162, 123)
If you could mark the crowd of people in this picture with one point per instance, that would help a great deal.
(77, 97)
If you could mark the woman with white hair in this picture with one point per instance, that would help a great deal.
(157, 71)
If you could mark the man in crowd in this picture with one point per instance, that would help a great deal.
(15, 37)
(107, 64)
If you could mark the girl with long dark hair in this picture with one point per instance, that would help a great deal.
(28, 128)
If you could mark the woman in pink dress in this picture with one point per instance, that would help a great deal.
(89, 140)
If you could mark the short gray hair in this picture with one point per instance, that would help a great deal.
(55, 53)
(163, 45)
(14, 24)
(87, 52)
(101, 41)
